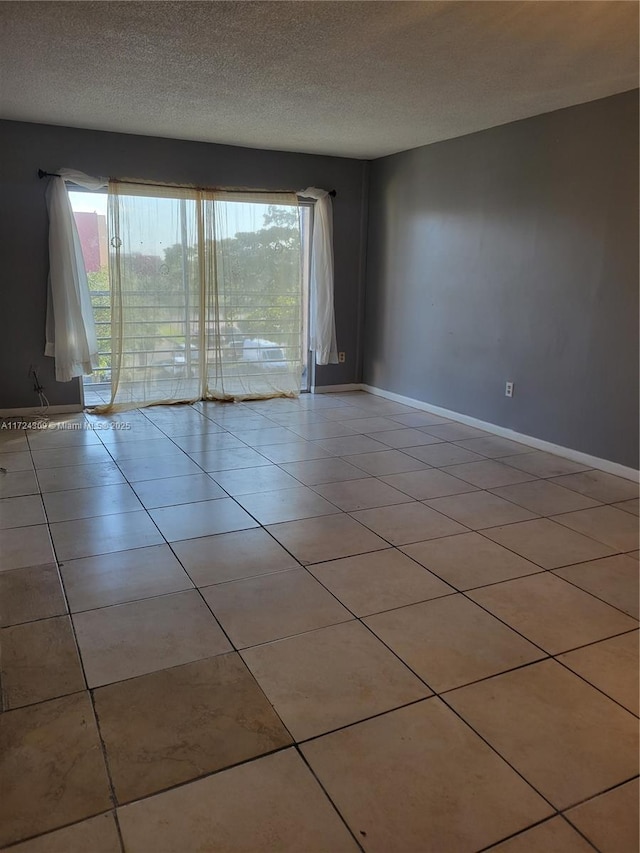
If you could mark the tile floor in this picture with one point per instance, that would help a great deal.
(330, 624)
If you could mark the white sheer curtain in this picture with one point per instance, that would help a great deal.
(322, 324)
(70, 327)
(206, 292)
(254, 322)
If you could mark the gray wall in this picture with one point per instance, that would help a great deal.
(512, 254)
(23, 229)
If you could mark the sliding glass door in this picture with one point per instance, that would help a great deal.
(207, 293)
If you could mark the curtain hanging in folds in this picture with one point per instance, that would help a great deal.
(322, 331)
(70, 327)
(206, 292)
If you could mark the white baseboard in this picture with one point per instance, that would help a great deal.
(334, 389)
(34, 411)
(529, 440)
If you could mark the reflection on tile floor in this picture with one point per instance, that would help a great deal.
(330, 624)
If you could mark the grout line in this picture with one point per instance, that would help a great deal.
(563, 816)
(526, 829)
(87, 690)
(13, 845)
(328, 796)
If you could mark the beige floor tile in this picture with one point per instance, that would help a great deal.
(21, 547)
(322, 431)
(552, 613)
(611, 666)
(172, 726)
(419, 779)
(444, 453)
(139, 432)
(30, 593)
(450, 641)
(317, 471)
(95, 835)
(207, 442)
(249, 481)
(544, 498)
(51, 767)
(543, 464)
(552, 836)
(337, 414)
(329, 537)
(123, 576)
(286, 505)
(372, 425)
(419, 419)
(298, 418)
(547, 543)
(351, 495)
(265, 435)
(610, 821)
(87, 537)
(632, 506)
(156, 447)
(612, 526)
(454, 431)
(295, 451)
(89, 503)
(229, 459)
(375, 406)
(18, 483)
(431, 483)
(242, 420)
(371, 583)
(600, 486)
(493, 446)
(488, 474)
(79, 477)
(39, 661)
(480, 509)
(132, 639)
(178, 490)
(634, 554)
(25, 511)
(52, 439)
(469, 560)
(18, 461)
(230, 556)
(158, 467)
(350, 445)
(191, 427)
(269, 607)
(407, 523)
(14, 441)
(87, 454)
(386, 462)
(406, 437)
(567, 739)
(272, 805)
(331, 677)
(205, 518)
(613, 579)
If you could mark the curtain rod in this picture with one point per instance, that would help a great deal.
(43, 174)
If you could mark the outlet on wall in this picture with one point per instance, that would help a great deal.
(342, 357)
(508, 389)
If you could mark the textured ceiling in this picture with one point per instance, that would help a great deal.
(359, 79)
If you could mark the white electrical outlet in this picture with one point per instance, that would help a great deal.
(342, 357)
(508, 389)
